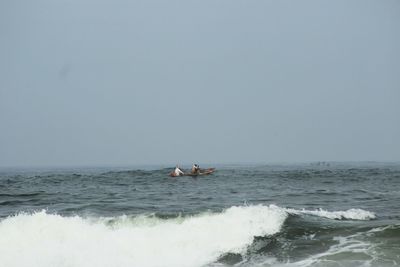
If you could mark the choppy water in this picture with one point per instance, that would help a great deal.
(289, 215)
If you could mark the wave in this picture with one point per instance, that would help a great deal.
(351, 214)
(376, 246)
(43, 239)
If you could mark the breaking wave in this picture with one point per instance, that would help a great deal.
(351, 214)
(42, 239)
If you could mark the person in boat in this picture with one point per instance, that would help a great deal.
(178, 171)
(195, 169)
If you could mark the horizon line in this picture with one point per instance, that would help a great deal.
(166, 165)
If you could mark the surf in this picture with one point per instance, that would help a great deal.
(45, 239)
(42, 239)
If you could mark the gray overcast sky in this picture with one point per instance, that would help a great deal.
(88, 82)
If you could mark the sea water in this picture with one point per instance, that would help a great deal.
(323, 214)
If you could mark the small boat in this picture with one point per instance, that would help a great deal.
(200, 173)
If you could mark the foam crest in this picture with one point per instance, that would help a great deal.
(351, 214)
(42, 239)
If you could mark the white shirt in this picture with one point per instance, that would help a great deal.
(178, 172)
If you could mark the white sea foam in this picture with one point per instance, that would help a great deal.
(351, 250)
(351, 214)
(42, 239)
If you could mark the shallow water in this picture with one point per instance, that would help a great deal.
(273, 215)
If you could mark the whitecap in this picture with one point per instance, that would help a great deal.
(42, 239)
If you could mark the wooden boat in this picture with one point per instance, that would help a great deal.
(200, 173)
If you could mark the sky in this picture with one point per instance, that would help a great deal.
(96, 83)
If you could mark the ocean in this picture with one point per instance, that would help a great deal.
(319, 214)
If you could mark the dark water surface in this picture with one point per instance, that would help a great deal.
(274, 215)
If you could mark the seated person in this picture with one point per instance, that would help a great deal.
(195, 169)
(178, 171)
